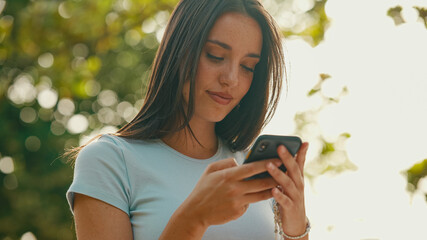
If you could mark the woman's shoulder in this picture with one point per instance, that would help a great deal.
(112, 142)
(101, 149)
(101, 144)
(111, 145)
(106, 146)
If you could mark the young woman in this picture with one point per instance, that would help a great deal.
(175, 172)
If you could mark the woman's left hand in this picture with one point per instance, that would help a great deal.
(291, 195)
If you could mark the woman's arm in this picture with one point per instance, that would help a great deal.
(182, 225)
(96, 219)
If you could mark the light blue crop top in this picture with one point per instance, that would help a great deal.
(148, 180)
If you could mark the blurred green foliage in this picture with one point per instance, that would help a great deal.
(395, 14)
(332, 156)
(301, 19)
(415, 174)
(418, 170)
(67, 69)
(314, 24)
(422, 12)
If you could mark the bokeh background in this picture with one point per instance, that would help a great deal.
(357, 83)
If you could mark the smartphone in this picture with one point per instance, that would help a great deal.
(265, 147)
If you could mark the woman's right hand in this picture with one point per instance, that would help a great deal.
(222, 194)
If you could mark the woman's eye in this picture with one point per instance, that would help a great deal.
(214, 57)
(248, 68)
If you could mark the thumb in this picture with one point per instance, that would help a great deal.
(222, 164)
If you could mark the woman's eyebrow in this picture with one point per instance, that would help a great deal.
(228, 47)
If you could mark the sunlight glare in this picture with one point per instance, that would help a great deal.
(22, 90)
(149, 25)
(66, 107)
(92, 88)
(302, 5)
(77, 124)
(107, 98)
(126, 111)
(63, 11)
(132, 37)
(46, 60)
(47, 98)
(28, 236)
(6, 165)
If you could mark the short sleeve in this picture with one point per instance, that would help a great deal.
(100, 172)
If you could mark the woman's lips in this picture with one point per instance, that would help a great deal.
(220, 97)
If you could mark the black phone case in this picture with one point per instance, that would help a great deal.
(265, 147)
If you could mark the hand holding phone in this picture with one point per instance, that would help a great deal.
(265, 147)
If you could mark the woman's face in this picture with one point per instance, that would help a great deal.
(226, 65)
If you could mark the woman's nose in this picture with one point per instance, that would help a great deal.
(230, 76)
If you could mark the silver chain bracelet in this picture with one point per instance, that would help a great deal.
(278, 228)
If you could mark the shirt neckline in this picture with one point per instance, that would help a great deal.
(175, 152)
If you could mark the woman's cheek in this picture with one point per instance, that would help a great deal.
(247, 85)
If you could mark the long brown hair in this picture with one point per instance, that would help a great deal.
(176, 62)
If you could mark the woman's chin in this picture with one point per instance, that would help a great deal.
(217, 118)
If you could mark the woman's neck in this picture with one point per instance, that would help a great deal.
(184, 142)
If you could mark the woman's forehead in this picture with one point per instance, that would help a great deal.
(238, 31)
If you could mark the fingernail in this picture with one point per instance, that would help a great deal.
(270, 166)
(282, 149)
